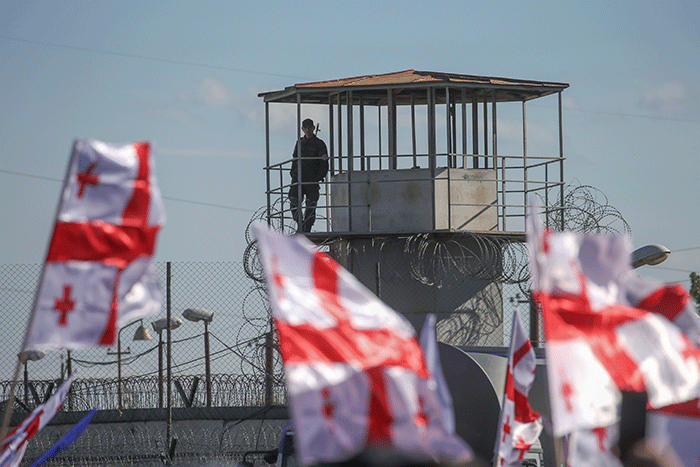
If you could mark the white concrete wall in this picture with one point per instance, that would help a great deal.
(400, 201)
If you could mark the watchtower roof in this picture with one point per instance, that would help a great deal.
(373, 87)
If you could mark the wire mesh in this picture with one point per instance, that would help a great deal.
(474, 282)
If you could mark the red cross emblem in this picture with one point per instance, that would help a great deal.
(567, 391)
(64, 305)
(521, 446)
(506, 428)
(365, 348)
(87, 178)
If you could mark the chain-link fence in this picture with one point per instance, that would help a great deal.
(240, 353)
(237, 336)
(237, 353)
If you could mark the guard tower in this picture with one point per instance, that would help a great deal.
(419, 203)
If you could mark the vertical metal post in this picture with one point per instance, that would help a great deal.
(432, 145)
(391, 128)
(413, 131)
(379, 127)
(267, 166)
(561, 163)
(351, 136)
(268, 365)
(378, 269)
(207, 362)
(69, 371)
(486, 131)
(160, 369)
(119, 371)
(340, 134)
(26, 383)
(525, 187)
(453, 115)
(494, 129)
(546, 192)
(331, 132)
(534, 323)
(464, 125)
(475, 130)
(448, 142)
(348, 104)
(300, 213)
(432, 149)
(362, 134)
(494, 145)
(169, 424)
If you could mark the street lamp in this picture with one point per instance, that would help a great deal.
(141, 334)
(650, 254)
(200, 314)
(24, 357)
(159, 326)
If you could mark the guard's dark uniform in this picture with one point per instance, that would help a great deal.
(314, 167)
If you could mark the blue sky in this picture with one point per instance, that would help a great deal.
(185, 75)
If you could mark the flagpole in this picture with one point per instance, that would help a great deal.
(505, 385)
(11, 400)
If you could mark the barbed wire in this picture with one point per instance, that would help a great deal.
(127, 444)
(439, 260)
(436, 260)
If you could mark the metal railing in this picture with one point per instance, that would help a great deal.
(512, 178)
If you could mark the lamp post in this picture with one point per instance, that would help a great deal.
(24, 357)
(159, 326)
(200, 314)
(141, 334)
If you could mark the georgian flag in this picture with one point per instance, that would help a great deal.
(520, 426)
(605, 332)
(98, 274)
(428, 342)
(15, 443)
(594, 446)
(355, 373)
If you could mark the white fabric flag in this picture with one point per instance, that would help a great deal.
(519, 425)
(428, 342)
(597, 344)
(15, 443)
(355, 372)
(593, 447)
(98, 274)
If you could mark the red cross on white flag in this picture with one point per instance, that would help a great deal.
(595, 446)
(355, 373)
(608, 329)
(98, 274)
(520, 426)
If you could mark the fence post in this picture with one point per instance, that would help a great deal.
(268, 365)
(169, 425)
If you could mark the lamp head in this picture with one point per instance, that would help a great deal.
(161, 324)
(31, 354)
(650, 254)
(198, 314)
(142, 333)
